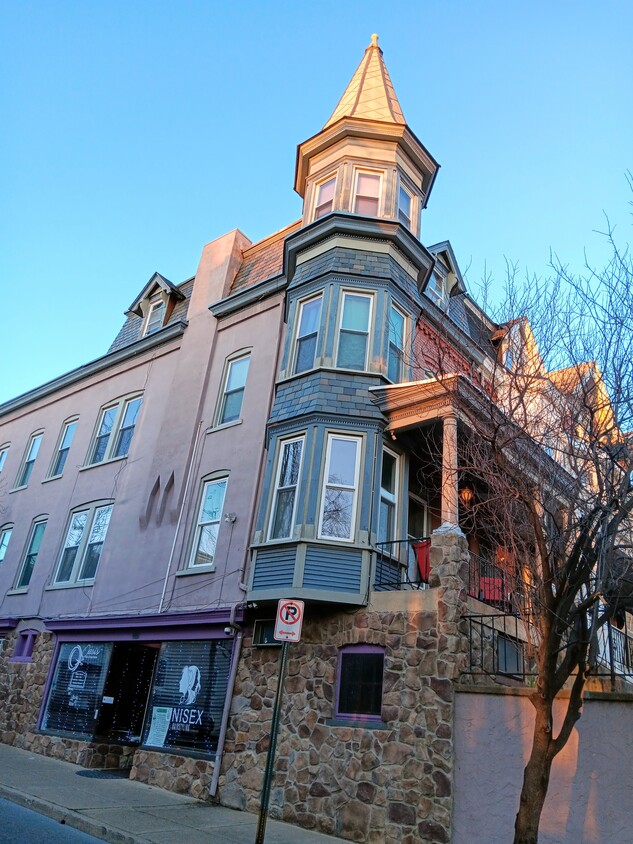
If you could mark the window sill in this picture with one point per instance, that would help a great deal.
(52, 478)
(18, 488)
(19, 590)
(221, 427)
(102, 463)
(357, 723)
(195, 570)
(78, 584)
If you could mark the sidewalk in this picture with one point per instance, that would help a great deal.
(118, 810)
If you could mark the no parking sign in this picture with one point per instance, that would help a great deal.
(289, 620)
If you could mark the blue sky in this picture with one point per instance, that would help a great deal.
(134, 132)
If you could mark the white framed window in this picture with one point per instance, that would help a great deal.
(405, 206)
(208, 524)
(388, 514)
(367, 191)
(28, 461)
(340, 488)
(4, 451)
(354, 331)
(155, 316)
(396, 344)
(324, 199)
(115, 430)
(5, 536)
(307, 333)
(233, 385)
(30, 555)
(63, 447)
(84, 543)
(437, 288)
(284, 505)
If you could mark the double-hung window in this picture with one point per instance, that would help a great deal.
(4, 450)
(5, 536)
(233, 389)
(354, 331)
(324, 198)
(405, 206)
(155, 316)
(360, 682)
(387, 519)
(396, 344)
(340, 488)
(115, 430)
(28, 461)
(367, 194)
(208, 525)
(84, 543)
(63, 447)
(30, 556)
(307, 333)
(285, 496)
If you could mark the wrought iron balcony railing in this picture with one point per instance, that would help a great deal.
(402, 564)
(496, 587)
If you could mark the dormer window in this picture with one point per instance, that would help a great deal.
(155, 317)
(405, 206)
(324, 198)
(367, 194)
(437, 289)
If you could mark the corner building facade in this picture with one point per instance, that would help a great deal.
(278, 426)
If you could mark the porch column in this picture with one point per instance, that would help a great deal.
(450, 499)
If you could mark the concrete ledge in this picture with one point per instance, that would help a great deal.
(625, 697)
(414, 600)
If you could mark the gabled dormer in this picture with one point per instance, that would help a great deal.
(366, 160)
(155, 303)
(446, 279)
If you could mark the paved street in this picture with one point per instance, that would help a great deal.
(23, 826)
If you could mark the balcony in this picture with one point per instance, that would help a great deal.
(496, 587)
(402, 564)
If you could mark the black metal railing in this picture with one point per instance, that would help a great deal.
(496, 587)
(615, 650)
(402, 564)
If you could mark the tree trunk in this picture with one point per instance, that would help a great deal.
(535, 777)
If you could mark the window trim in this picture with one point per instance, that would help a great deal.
(358, 440)
(121, 404)
(364, 648)
(275, 490)
(4, 453)
(24, 645)
(391, 499)
(400, 312)
(196, 532)
(155, 302)
(317, 189)
(23, 587)
(340, 329)
(236, 357)
(4, 530)
(24, 475)
(79, 560)
(58, 448)
(298, 337)
(365, 171)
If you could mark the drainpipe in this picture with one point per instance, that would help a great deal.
(237, 647)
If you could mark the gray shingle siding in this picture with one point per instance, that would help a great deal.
(325, 392)
(131, 329)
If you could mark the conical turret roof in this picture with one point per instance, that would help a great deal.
(370, 95)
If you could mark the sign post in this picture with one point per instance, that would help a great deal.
(287, 629)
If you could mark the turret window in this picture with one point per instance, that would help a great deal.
(354, 331)
(367, 194)
(324, 198)
(405, 206)
(307, 334)
(396, 345)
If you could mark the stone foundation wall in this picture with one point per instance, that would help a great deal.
(391, 784)
(21, 688)
(182, 774)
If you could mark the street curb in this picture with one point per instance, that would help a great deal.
(69, 817)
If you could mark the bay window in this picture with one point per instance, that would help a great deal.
(396, 345)
(367, 194)
(307, 334)
(324, 202)
(285, 495)
(340, 488)
(354, 331)
(387, 519)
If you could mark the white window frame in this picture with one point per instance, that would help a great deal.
(277, 489)
(391, 499)
(120, 407)
(340, 330)
(317, 190)
(400, 351)
(28, 552)
(367, 172)
(404, 187)
(5, 539)
(299, 337)
(28, 460)
(4, 451)
(437, 289)
(54, 471)
(76, 574)
(326, 485)
(155, 303)
(225, 392)
(201, 524)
